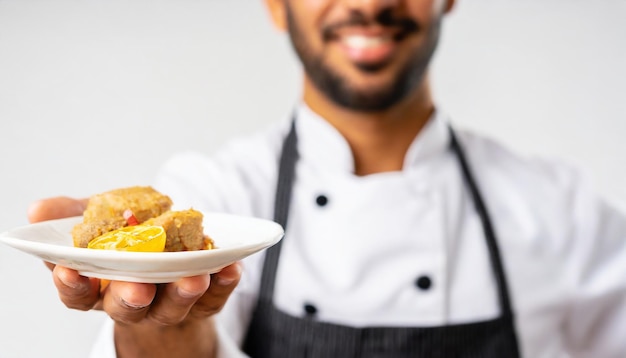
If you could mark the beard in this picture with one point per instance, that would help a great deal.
(338, 88)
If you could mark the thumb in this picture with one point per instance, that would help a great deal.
(55, 208)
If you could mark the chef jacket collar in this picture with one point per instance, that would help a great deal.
(322, 146)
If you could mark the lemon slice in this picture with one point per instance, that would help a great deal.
(138, 238)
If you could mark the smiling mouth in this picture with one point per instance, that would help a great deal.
(383, 23)
(370, 44)
(364, 42)
(365, 35)
(367, 49)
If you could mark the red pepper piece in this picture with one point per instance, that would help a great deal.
(130, 218)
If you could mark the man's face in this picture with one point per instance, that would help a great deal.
(366, 55)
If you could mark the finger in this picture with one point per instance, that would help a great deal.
(49, 265)
(222, 285)
(174, 300)
(75, 291)
(128, 302)
(55, 208)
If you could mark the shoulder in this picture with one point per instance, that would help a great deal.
(258, 147)
(531, 175)
(533, 198)
(232, 176)
(544, 201)
(254, 154)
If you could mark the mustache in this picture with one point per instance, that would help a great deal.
(385, 18)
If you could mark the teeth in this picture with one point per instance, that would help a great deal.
(363, 42)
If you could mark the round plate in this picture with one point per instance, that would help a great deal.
(235, 237)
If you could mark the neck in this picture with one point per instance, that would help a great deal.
(378, 140)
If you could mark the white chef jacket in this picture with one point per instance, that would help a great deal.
(357, 258)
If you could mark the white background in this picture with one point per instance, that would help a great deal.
(95, 94)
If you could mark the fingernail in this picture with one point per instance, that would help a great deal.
(80, 207)
(32, 210)
(132, 305)
(185, 293)
(225, 281)
(69, 284)
(72, 284)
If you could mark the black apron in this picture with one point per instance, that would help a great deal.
(275, 334)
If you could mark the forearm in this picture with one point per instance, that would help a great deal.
(192, 338)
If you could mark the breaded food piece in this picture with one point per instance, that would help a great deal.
(105, 212)
(84, 232)
(144, 201)
(183, 230)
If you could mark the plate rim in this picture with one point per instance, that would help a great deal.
(59, 252)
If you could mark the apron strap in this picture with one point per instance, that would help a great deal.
(485, 219)
(286, 175)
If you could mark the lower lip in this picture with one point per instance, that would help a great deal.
(369, 55)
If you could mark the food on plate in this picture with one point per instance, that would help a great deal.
(183, 230)
(139, 219)
(139, 238)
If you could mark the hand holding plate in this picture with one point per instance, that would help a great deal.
(149, 317)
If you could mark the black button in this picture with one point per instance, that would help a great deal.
(321, 200)
(424, 282)
(310, 309)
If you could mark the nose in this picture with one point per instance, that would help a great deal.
(371, 8)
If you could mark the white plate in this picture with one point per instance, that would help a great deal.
(235, 236)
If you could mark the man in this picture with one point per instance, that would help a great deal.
(403, 237)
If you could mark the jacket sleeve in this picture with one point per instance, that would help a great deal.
(596, 318)
(104, 346)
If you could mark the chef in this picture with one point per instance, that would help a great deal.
(405, 236)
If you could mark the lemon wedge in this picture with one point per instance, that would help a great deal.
(137, 238)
